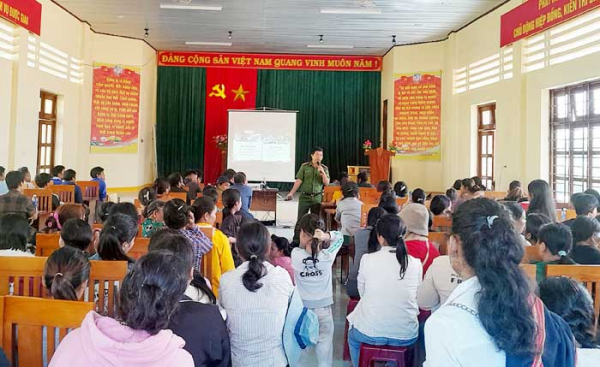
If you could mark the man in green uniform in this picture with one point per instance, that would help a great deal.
(310, 180)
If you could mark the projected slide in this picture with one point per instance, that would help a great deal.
(262, 144)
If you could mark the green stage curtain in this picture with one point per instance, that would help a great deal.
(180, 119)
(337, 110)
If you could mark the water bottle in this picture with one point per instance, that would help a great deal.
(563, 215)
(35, 201)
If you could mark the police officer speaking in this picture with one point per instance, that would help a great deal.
(310, 180)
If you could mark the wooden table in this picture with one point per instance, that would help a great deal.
(265, 201)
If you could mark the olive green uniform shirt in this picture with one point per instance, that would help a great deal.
(312, 182)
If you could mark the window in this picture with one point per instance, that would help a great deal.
(486, 133)
(575, 139)
(46, 132)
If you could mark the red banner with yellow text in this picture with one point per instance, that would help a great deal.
(417, 115)
(115, 109)
(536, 16)
(269, 61)
(26, 13)
(226, 89)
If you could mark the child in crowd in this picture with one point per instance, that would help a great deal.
(595, 194)
(241, 185)
(62, 215)
(571, 300)
(281, 253)
(312, 263)
(362, 180)
(385, 186)
(401, 189)
(176, 182)
(338, 194)
(66, 274)
(126, 208)
(230, 174)
(416, 218)
(69, 178)
(97, 175)
(161, 187)
(14, 202)
(439, 283)
(193, 180)
(457, 185)
(15, 235)
(517, 214)
(76, 233)
(452, 195)
(469, 190)
(146, 196)
(149, 295)
(387, 282)
(256, 297)
(533, 225)
(199, 323)
(479, 183)
(541, 201)
(3, 186)
(223, 183)
(586, 238)
(388, 202)
(57, 174)
(232, 218)
(515, 192)
(365, 241)
(104, 211)
(211, 192)
(585, 205)
(181, 217)
(555, 245)
(348, 211)
(116, 239)
(418, 196)
(27, 178)
(441, 205)
(205, 214)
(42, 181)
(154, 218)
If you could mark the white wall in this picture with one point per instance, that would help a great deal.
(19, 101)
(521, 114)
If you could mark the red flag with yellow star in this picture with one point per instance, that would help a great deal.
(226, 89)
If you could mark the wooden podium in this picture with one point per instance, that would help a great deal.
(379, 161)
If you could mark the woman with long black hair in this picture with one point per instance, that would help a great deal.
(387, 282)
(493, 317)
(541, 200)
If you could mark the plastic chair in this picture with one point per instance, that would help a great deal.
(349, 309)
(370, 354)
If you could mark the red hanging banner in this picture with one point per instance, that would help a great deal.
(269, 61)
(26, 13)
(536, 16)
(226, 89)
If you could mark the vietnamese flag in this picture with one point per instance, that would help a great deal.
(226, 89)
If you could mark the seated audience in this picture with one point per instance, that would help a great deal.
(27, 178)
(229, 173)
(3, 186)
(162, 187)
(241, 185)
(192, 180)
(469, 190)
(439, 283)
(15, 235)
(42, 181)
(104, 211)
(280, 254)
(116, 239)
(585, 205)
(62, 215)
(57, 174)
(199, 324)
(418, 196)
(180, 216)
(69, 178)
(341, 179)
(595, 194)
(76, 233)
(401, 189)
(138, 336)
(176, 182)
(232, 218)
(479, 183)
(97, 174)
(154, 218)
(555, 242)
(205, 214)
(312, 262)
(457, 186)
(492, 318)
(541, 200)
(147, 195)
(517, 214)
(571, 300)
(385, 186)
(586, 238)
(348, 211)
(387, 282)
(365, 241)
(441, 205)
(211, 192)
(223, 183)
(66, 274)
(515, 192)
(533, 225)
(388, 202)
(14, 202)
(416, 219)
(338, 194)
(256, 297)
(126, 208)
(452, 195)
(362, 180)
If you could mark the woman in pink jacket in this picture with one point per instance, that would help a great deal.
(149, 294)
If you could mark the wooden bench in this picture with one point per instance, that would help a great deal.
(364, 213)
(442, 223)
(46, 244)
(139, 249)
(441, 239)
(532, 253)
(495, 195)
(531, 271)
(105, 276)
(22, 276)
(66, 193)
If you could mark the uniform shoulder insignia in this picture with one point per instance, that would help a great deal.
(305, 163)
(324, 166)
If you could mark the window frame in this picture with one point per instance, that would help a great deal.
(45, 119)
(485, 131)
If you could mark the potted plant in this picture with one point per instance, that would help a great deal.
(367, 145)
(392, 147)
(221, 142)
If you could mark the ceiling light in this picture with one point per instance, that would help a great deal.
(146, 32)
(329, 46)
(350, 11)
(224, 44)
(230, 35)
(320, 38)
(191, 7)
(394, 39)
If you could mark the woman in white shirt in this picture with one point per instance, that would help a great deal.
(492, 318)
(256, 297)
(439, 283)
(347, 212)
(388, 280)
(570, 300)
